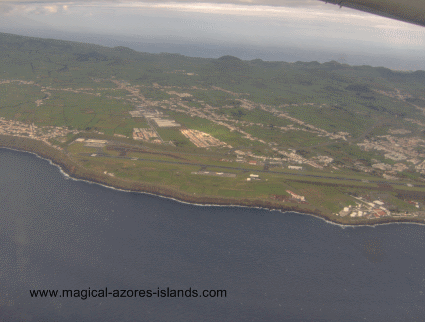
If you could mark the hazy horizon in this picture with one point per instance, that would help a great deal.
(294, 30)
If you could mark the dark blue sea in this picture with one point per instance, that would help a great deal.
(60, 234)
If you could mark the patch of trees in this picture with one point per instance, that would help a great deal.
(237, 113)
(360, 88)
(91, 56)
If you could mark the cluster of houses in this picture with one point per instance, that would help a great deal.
(375, 209)
(363, 208)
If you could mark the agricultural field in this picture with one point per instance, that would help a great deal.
(331, 134)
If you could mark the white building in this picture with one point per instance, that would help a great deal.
(294, 167)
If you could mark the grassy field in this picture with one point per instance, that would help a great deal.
(91, 89)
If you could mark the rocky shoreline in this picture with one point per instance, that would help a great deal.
(75, 171)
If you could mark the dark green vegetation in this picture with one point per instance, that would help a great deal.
(352, 104)
(274, 114)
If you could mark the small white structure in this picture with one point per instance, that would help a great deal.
(378, 202)
(165, 123)
(294, 167)
(295, 196)
(95, 143)
(136, 113)
(254, 175)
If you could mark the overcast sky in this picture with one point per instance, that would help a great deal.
(305, 24)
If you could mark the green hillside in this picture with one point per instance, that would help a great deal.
(327, 121)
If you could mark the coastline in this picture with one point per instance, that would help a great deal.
(75, 172)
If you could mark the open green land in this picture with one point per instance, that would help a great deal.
(344, 142)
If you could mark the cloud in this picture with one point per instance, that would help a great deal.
(5, 8)
(288, 9)
(275, 3)
(31, 7)
(51, 9)
(309, 19)
(260, 8)
(51, 6)
(307, 12)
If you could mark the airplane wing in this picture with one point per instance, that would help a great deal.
(412, 11)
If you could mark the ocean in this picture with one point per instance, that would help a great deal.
(57, 233)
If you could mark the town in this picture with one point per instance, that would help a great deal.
(397, 153)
